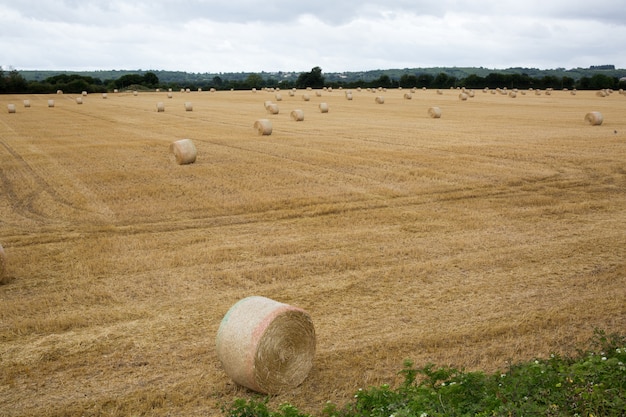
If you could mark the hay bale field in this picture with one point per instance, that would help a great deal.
(493, 234)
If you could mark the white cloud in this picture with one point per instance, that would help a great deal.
(351, 35)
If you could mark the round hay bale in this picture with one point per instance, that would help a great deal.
(135, 93)
(50, 103)
(59, 91)
(11, 108)
(292, 93)
(265, 345)
(104, 95)
(323, 107)
(170, 95)
(439, 92)
(348, 96)
(306, 97)
(601, 93)
(188, 106)
(278, 97)
(594, 118)
(79, 100)
(3, 264)
(379, 99)
(263, 127)
(434, 112)
(272, 108)
(408, 96)
(26, 103)
(84, 93)
(184, 151)
(463, 96)
(297, 115)
(160, 107)
(318, 93)
(512, 94)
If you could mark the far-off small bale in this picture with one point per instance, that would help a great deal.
(105, 95)
(323, 107)
(272, 108)
(188, 106)
(379, 100)
(184, 151)
(11, 108)
(408, 96)
(265, 345)
(26, 103)
(463, 96)
(306, 97)
(50, 103)
(263, 127)
(594, 118)
(434, 112)
(297, 115)
(160, 107)
(79, 100)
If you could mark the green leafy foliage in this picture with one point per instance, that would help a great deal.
(591, 384)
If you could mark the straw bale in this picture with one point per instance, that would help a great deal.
(463, 96)
(379, 99)
(50, 103)
(297, 115)
(26, 103)
(265, 345)
(184, 151)
(104, 95)
(188, 106)
(160, 107)
(263, 127)
(594, 118)
(272, 108)
(408, 96)
(306, 97)
(79, 100)
(323, 107)
(11, 108)
(434, 112)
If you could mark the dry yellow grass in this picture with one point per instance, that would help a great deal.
(494, 234)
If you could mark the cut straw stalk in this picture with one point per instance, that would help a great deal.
(266, 345)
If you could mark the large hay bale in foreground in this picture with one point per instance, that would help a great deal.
(184, 151)
(266, 345)
(594, 118)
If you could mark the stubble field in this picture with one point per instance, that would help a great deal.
(492, 235)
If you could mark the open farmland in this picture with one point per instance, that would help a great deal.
(493, 234)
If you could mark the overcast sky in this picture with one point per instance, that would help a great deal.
(296, 35)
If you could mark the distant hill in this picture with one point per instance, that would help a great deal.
(181, 77)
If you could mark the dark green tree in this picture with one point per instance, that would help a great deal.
(313, 79)
(150, 79)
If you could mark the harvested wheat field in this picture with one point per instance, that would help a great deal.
(492, 234)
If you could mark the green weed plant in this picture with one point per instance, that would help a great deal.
(591, 384)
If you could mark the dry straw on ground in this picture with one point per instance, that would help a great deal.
(297, 115)
(184, 151)
(3, 261)
(266, 345)
(263, 127)
(594, 118)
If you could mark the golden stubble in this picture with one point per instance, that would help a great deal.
(493, 234)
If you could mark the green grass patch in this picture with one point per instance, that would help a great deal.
(591, 383)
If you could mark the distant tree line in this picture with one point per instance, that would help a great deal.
(13, 82)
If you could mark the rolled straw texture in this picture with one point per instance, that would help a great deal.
(594, 118)
(463, 96)
(184, 151)
(379, 99)
(265, 345)
(263, 127)
(11, 108)
(297, 115)
(434, 112)
(188, 106)
(323, 107)
(272, 108)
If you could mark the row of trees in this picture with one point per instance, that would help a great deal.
(13, 82)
